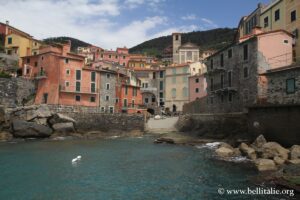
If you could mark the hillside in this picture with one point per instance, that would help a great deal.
(74, 42)
(207, 40)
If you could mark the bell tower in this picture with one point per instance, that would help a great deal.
(176, 45)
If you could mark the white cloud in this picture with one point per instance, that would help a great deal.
(209, 23)
(189, 17)
(133, 3)
(181, 29)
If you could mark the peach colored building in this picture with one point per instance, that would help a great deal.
(121, 56)
(197, 87)
(61, 78)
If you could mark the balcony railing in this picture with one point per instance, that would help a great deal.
(149, 89)
(219, 88)
(214, 70)
(41, 75)
(74, 89)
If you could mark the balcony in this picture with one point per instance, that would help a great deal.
(73, 89)
(215, 70)
(149, 89)
(40, 75)
(223, 88)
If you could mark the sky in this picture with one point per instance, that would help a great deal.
(118, 23)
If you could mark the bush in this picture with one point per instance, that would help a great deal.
(4, 75)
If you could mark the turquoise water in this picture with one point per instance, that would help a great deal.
(128, 168)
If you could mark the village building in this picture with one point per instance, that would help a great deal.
(121, 56)
(197, 84)
(91, 53)
(234, 80)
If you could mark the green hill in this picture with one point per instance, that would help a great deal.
(74, 42)
(207, 40)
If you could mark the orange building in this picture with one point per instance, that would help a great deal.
(61, 78)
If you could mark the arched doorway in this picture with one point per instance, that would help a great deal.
(151, 111)
(174, 108)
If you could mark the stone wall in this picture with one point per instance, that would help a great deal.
(16, 91)
(217, 126)
(87, 122)
(276, 123)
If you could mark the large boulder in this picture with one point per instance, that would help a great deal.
(43, 111)
(248, 151)
(67, 127)
(259, 142)
(225, 152)
(5, 136)
(273, 149)
(295, 152)
(265, 164)
(60, 118)
(24, 129)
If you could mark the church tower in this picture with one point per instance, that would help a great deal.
(176, 45)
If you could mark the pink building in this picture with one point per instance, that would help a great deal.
(121, 56)
(197, 87)
(61, 78)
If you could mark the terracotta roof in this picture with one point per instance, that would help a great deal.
(281, 69)
(188, 45)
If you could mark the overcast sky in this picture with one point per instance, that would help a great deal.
(117, 23)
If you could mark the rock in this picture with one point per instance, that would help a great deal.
(265, 164)
(67, 127)
(294, 162)
(237, 152)
(272, 149)
(225, 152)
(26, 129)
(295, 152)
(41, 121)
(278, 160)
(164, 140)
(259, 141)
(5, 136)
(224, 144)
(2, 114)
(43, 111)
(248, 151)
(157, 117)
(60, 118)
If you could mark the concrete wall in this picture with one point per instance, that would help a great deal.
(15, 91)
(276, 123)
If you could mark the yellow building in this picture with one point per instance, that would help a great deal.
(177, 84)
(21, 46)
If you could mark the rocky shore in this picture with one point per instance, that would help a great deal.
(40, 122)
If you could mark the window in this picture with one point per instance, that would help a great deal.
(290, 86)
(68, 72)
(66, 60)
(246, 72)
(117, 100)
(173, 80)
(125, 103)
(173, 92)
(35, 64)
(222, 60)
(92, 99)
(67, 83)
(109, 56)
(211, 84)
(230, 53)
(77, 98)
(211, 64)
(277, 15)
(77, 86)
(126, 89)
(116, 57)
(229, 74)
(146, 100)
(93, 76)
(8, 52)
(106, 98)
(78, 75)
(185, 70)
(45, 97)
(28, 60)
(93, 87)
(153, 99)
(197, 80)
(293, 16)
(161, 74)
(161, 85)
(245, 52)
(27, 71)
(107, 75)
(154, 75)
(107, 86)
(124, 64)
(174, 71)
(230, 97)
(9, 40)
(161, 95)
(197, 90)
(184, 79)
(176, 37)
(124, 57)
(266, 22)
(102, 109)
(111, 109)
(185, 92)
